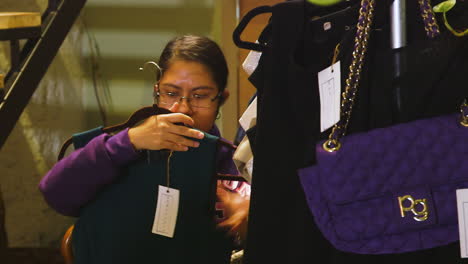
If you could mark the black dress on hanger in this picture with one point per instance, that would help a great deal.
(281, 228)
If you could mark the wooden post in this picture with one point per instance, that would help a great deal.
(2, 87)
(3, 237)
(9, 20)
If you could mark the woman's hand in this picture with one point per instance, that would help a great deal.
(161, 132)
(236, 210)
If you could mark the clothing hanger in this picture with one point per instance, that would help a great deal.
(337, 7)
(243, 24)
(138, 116)
(142, 114)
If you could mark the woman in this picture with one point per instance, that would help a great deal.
(192, 85)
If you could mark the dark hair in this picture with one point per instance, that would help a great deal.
(198, 49)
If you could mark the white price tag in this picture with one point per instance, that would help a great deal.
(249, 117)
(166, 212)
(462, 208)
(329, 81)
(251, 61)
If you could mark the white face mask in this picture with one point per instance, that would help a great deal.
(251, 61)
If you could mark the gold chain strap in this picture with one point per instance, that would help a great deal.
(464, 113)
(429, 19)
(366, 14)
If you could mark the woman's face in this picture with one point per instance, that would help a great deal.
(190, 80)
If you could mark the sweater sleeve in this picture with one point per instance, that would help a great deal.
(226, 166)
(77, 179)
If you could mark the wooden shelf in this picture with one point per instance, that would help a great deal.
(11, 20)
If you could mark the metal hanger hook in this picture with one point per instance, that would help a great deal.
(156, 66)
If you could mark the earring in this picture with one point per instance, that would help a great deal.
(218, 115)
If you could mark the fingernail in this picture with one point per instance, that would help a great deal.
(201, 135)
(197, 144)
(185, 148)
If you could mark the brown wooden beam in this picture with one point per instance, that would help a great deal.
(9, 20)
(3, 237)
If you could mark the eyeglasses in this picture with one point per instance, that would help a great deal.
(194, 100)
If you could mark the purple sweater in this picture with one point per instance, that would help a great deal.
(78, 178)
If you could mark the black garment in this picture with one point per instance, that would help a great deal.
(281, 228)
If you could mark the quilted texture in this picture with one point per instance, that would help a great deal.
(353, 192)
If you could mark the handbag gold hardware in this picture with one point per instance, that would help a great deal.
(418, 215)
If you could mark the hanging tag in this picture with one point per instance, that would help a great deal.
(166, 211)
(251, 61)
(330, 89)
(249, 117)
(462, 208)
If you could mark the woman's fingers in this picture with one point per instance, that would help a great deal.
(228, 227)
(236, 209)
(232, 225)
(161, 132)
(175, 107)
(178, 118)
(169, 122)
(185, 131)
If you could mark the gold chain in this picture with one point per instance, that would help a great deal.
(366, 14)
(360, 62)
(429, 19)
(464, 113)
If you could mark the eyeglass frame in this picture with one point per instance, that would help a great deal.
(188, 98)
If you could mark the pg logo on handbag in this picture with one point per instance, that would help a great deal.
(412, 206)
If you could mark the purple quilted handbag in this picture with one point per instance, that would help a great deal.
(389, 190)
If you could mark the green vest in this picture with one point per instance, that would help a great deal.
(116, 227)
